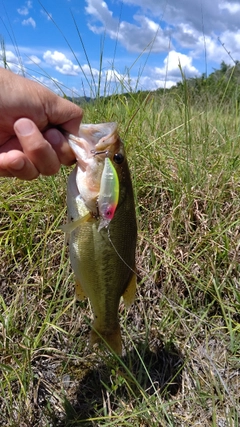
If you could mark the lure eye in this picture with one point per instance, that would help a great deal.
(109, 213)
(118, 158)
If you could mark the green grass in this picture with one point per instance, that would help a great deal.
(182, 336)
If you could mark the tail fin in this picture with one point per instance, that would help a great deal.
(112, 338)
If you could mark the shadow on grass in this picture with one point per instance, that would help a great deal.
(141, 371)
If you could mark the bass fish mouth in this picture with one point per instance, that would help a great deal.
(93, 140)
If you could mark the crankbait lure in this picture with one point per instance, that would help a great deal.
(109, 194)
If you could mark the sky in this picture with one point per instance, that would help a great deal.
(80, 47)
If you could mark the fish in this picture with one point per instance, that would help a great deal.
(102, 228)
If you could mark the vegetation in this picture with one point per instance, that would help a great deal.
(182, 343)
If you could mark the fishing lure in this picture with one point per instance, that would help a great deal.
(107, 199)
(109, 194)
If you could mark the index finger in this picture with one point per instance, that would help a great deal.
(60, 145)
(62, 112)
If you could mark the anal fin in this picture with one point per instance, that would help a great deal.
(130, 291)
(79, 293)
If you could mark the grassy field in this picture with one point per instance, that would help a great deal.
(181, 363)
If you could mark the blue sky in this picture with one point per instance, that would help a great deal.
(142, 46)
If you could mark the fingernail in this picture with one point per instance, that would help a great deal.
(17, 164)
(24, 127)
(53, 136)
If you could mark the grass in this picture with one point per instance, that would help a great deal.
(182, 342)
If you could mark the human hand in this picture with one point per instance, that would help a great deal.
(29, 143)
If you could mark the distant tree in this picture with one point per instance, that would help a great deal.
(224, 67)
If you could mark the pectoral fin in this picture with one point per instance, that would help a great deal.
(129, 293)
(79, 293)
(70, 226)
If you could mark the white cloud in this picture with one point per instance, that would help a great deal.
(56, 86)
(210, 45)
(214, 47)
(173, 63)
(186, 23)
(230, 7)
(33, 59)
(154, 82)
(61, 63)
(185, 35)
(147, 35)
(90, 71)
(12, 61)
(47, 15)
(51, 83)
(231, 41)
(112, 75)
(24, 10)
(202, 15)
(99, 9)
(29, 21)
(144, 34)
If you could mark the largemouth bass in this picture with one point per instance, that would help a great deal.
(102, 228)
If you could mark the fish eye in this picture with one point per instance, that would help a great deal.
(118, 158)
